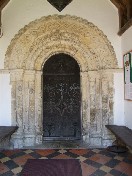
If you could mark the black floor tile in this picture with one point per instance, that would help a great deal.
(11, 164)
(107, 153)
(2, 155)
(89, 154)
(18, 154)
(7, 174)
(126, 160)
(73, 155)
(112, 163)
(115, 172)
(52, 155)
(35, 155)
(100, 173)
(93, 163)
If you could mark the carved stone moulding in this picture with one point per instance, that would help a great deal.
(56, 34)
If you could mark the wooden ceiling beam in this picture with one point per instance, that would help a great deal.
(0, 25)
(118, 4)
(125, 27)
(125, 14)
(3, 3)
(129, 9)
(128, 23)
(121, 19)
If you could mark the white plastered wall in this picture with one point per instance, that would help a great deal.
(19, 13)
(5, 100)
(119, 98)
(127, 46)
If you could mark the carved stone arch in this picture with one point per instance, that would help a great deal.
(25, 58)
(56, 49)
(56, 29)
(39, 64)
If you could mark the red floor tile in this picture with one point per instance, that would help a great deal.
(79, 151)
(3, 168)
(11, 152)
(45, 152)
(129, 170)
(102, 159)
(87, 170)
(22, 159)
(122, 166)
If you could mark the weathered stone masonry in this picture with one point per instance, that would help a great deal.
(25, 58)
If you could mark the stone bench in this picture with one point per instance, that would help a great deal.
(5, 135)
(122, 133)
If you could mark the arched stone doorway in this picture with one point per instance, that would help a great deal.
(61, 98)
(25, 60)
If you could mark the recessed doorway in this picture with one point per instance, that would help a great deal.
(61, 98)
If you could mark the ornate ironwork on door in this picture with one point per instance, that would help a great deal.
(61, 98)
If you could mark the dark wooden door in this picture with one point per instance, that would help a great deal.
(61, 98)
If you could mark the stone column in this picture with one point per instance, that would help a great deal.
(107, 106)
(95, 108)
(38, 107)
(85, 107)
(29, 108)
(17, 106)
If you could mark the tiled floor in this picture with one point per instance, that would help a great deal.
(94, 162)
